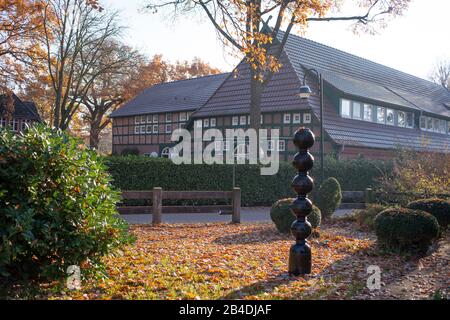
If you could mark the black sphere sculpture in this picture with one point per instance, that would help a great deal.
(300, 253)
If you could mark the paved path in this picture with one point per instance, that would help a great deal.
(251, 214)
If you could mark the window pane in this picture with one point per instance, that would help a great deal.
(235, 121)
(401, 119)
(429, 123)
(143, 119)
(213, 122)
(155, 128)
(296, 118)
(367, 112)
(442, 126)
(287, 118)
(423, 122)
(436, 125)
(389, 116)
(409, 119)
(149, 119)
(206, 123)
(155, 118)
(356, 110)
(243, 120)
(345, 108)
(381, 115)
(307, 118)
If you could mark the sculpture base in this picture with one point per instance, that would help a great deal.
(300, 259)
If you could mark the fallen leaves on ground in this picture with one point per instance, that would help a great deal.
(247, 261)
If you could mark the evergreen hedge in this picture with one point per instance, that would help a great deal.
(144, 173)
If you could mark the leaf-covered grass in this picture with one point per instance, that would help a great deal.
(221, 261)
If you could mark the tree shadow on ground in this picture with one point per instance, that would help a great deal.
(264, 234)
(345, 278)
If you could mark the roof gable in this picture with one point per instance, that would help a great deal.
(22, 109)
(363, 77)
(173, 96)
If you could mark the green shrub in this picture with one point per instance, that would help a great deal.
(57, 206)
(328, 197)
(282, 216)
(144, 173)
(366, 217)
(130, 152)
(439, 208)
(402, 229)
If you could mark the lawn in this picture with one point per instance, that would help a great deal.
(249, 261)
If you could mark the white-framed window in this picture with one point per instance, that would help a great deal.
(356, 110)
(429, 124)
(262, 119)
(168, 128)
(149, 128)
(142, 129)
(155, 118)
(390, 117)
(436, 125)
(442, 128)
(381, 115)
(345, 108)
(307, 118)
(182, 116)
(409, 123)
(401, 119)
(226, 145)
(155, 128)
(137, 119)
(243, 120)
(218, 146)
(143, 119)
(235, 121)
(296, 118)
(287, 118)
(137, 129)
(198, 123)
(206, 123)
(168, 117)
(149, 119)
(212, 122)
(367, 112)
(270, 145)
(3, 122)
(248, 119)
(281, 145)
(423, 122)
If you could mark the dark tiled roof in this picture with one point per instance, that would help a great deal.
(183, 95)
(233, 96)
(359, 77)
(366, 75)
(22, 109)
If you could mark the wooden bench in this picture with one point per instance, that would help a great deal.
(157, 195)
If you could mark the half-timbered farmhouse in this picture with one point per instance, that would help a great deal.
(369, 109)
(24, 113)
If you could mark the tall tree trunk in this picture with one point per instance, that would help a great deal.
(94, 134)
(256, 90)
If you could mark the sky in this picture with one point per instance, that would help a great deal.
(411, 43)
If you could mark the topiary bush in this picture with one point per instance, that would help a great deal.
(328, 197)
(439, 208)
(281, 215)
(402, 229)
(366, 217)
(57, 207)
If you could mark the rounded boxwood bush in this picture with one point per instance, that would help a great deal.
(439, 208)
(402, 229)
(57, 207)
(282, 216)
(328, 197)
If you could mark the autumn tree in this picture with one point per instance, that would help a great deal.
(20, 34)
(110, 88)
(73, 47)
(239, 24)
(192, 69)
(441, 73)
